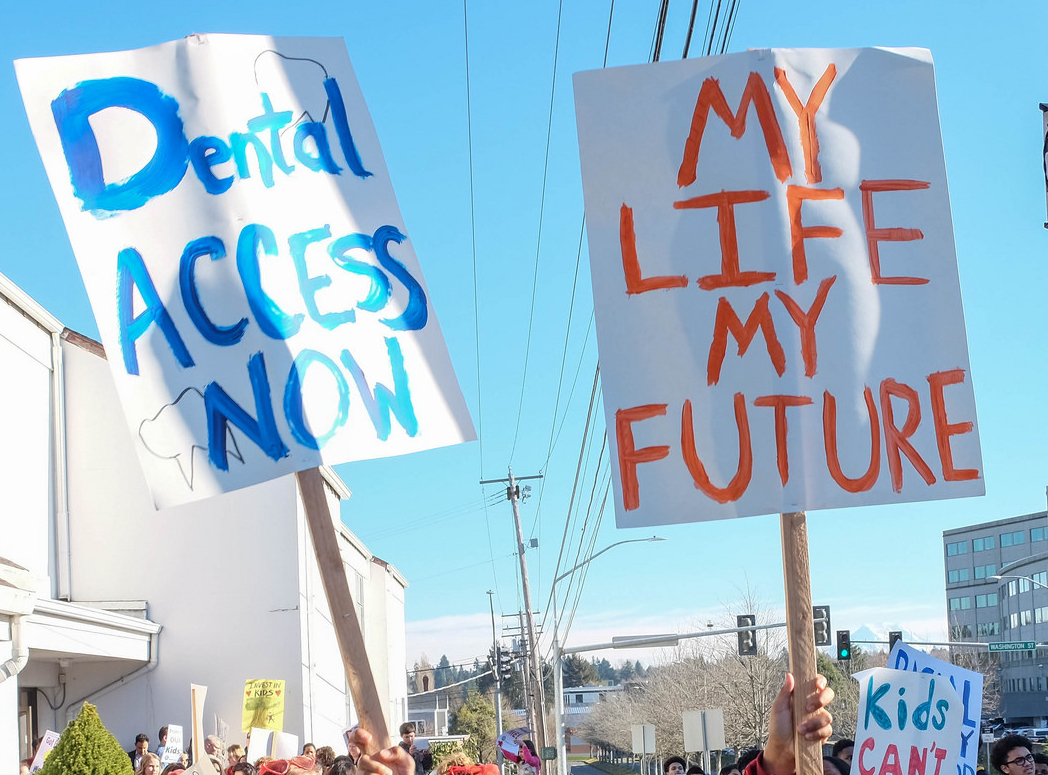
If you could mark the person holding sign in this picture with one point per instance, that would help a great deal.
(777, 758)
(1011, 755)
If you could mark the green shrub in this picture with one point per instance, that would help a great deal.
(87, 748)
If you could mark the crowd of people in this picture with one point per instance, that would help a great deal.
(405, 758)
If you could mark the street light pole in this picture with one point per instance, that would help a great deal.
(558, 656)
(498, 679)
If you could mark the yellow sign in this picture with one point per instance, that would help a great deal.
(263, 705)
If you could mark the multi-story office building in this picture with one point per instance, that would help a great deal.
(997, 592)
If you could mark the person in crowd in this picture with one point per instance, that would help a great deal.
(243, 768)
(730, 769)
(263, 760)
(161, 744)
(173, 769)
(235, 754)
(309, 750)
(674, 765)
(141, 749)
(831, 765)
(842, 749)
(747, 756)
(150, 765)
(343, 765)
(423, 759)
(355, 752)
(325, 756)
(213, 745)
(1040, 764)
(1011, 755)
(459, 763)
(695, 770)
(216, 762)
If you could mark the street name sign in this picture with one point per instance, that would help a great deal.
(1024, 645)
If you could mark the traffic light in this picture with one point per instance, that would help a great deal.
(505, 659)
(893, 636)
(843, 644)
(747, 639)
(822, 629)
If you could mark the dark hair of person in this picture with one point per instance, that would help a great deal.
(746, 757)
(840, 745)
(727, 768)
(1040, 758)
(174, 767)
(838, 764)
(670, 760)
(141, 738)
(325, 755)
(343, 765)
(1000, 750)
(695, 770)
(162, 733)
(407, 726)
(247, 768)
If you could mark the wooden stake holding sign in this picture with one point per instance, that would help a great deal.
(800, 634)
(338, 191)
(776, 295)
(343, 613)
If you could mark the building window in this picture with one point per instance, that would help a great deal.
(1026, 617)
(1041, 578)
(979, 544)
(1013, 621)
(959, 631)
(985, 571)
(960, 603)
(957, 576)
(960, 547)
(578, 698)
(1037, 534)
(989, 628)
(1012, 587)
(986, 601)
(1013, 539)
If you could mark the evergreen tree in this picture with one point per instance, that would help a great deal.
(87, 748)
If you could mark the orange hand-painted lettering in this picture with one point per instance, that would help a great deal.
(897, 440)
(738, 484)
(806, 117)
(629, 456)
(779, 403)
(635, 282)
(806, 322)
(876, 235)
(728, 322)
(795, 197)
(711, 97)
(833, 459)
(730, 274)
(944, 430)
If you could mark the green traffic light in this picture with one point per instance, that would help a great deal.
(844, 652)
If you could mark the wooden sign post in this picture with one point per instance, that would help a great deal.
(800, 633)
(343, 612)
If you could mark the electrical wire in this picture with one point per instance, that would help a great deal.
(538, 239)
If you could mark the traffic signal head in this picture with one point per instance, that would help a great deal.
(844, 644)
(747, 639)
(822, 628)
(505, 664)
(893, 636)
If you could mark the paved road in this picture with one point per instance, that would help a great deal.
(581, 768)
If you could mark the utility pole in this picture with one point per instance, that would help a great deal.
(534, 664)
(498, 677)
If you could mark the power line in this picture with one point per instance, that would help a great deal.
(538, 238)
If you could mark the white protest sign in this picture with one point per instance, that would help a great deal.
(173, 750)
(775, 284)
(47, 744)
(269, 742)
(907, 723)
(967, 683)
(258, 295)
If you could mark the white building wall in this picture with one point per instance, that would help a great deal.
(232, 581)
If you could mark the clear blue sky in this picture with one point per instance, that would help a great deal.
(879, 566)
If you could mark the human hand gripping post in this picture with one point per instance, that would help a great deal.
(816, 725)
(390, 760)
